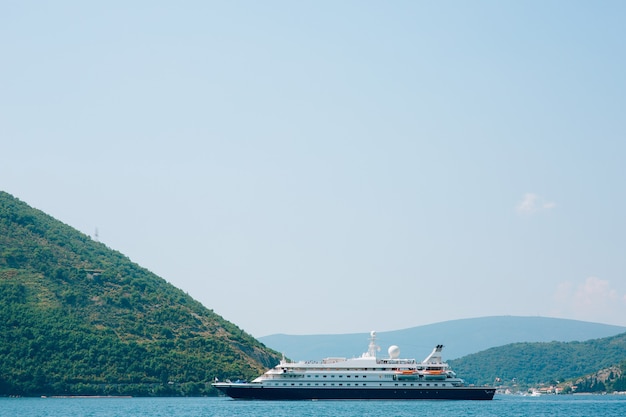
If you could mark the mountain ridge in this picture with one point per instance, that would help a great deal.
(460, 337)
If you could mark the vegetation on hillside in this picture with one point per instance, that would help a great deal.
(79, 318)
(609, 379)
(529, 364)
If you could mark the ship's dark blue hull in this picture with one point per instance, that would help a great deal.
(258, 392)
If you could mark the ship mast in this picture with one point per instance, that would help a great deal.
(373, 347)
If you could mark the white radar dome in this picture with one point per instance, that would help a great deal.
(372, 333)
(394, 352)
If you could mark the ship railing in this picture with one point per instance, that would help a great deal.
(332, 360)
(397, 361)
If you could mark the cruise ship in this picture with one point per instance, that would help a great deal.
(362, 378)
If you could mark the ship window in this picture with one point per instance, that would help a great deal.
(308, 376)
(317, 376)
(356, 376)
(324, 376)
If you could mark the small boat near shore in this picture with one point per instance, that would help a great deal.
(364, 378)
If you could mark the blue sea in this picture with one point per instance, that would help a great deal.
(501, 406)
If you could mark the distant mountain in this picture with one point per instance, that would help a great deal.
(460, 337)
(544, 363)
(79, 318)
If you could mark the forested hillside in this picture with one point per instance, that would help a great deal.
(605, 380)
(79, 318)
(536, 363)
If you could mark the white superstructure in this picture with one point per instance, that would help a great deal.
(364, 371)
(364, 378)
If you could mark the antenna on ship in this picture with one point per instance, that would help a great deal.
(373, 347)
(95, 236)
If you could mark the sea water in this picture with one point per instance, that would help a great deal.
(501, 406)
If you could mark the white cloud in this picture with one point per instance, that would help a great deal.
(532, 203)
(549, 205)
(592, 300)
(593, 291)
(528, 204)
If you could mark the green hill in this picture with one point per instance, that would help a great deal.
(537, 363)
(79, 318)
(609, 379)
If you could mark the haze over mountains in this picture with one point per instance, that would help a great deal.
(460, 337)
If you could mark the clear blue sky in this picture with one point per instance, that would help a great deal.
(332, 166)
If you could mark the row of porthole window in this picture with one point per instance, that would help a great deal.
(317, 384)
(335, 376)
(356, 385)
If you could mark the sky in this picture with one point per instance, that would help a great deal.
(320, 167)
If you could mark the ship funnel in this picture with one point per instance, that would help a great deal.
(435, 355)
